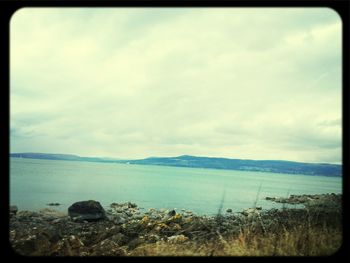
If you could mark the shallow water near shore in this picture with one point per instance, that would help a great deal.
(34, 183)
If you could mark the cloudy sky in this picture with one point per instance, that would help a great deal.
(132, 83)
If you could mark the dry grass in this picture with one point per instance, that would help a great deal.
(301, 241)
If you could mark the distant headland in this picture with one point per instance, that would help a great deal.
(272, 166)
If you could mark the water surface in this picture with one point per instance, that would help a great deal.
(35, 183)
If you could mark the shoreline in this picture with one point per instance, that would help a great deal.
(122, 229)
(276, 202)
(258, 168)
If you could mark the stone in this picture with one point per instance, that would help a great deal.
(119, 220)
(33, 245)
(176, 218)
(229, 210)
(87, 210)
(161, 227)
(12, 234)
(172, 213)
(128, 214)
(75, 242)
(175, 227)
(50, 213)
(13, 209)
(166, 214)
(53, 204)
(104, 248)
(135, 242)
(251, 214)
(177, 239)
(138, 216)
(27, 214)
(119, 239)
(78, 219)
(153, 238)
(132, 205)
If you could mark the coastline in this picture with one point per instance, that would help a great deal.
(124, 230)
(261, 166)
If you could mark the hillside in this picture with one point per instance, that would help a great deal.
(274, 166)
(246, 165)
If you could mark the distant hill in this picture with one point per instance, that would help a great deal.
(66, 157)
(246, 165)
(274, 166)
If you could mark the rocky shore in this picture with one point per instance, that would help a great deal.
(88, 229)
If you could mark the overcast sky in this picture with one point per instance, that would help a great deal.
(132, 83)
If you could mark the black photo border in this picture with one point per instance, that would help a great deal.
(9, 7)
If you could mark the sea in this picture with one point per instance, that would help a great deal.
(34, 183)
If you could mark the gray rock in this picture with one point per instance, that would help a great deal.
(120, 220)
(172, 213)
(128, 214)
(153, 238)
(110, 217)
(87, 210)
(13, 209)
(28, 214)
(75, 242)
(135, 242)
(252, 216)
(138, 216)
(155, 217)
(56, 221)
(53, 204)
(50, 213)
(119, 239)
(78, 219)
(117, 219)
(177, 239)
(250, 212)
(132, 205)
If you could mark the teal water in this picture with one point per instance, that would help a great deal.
(35, 183)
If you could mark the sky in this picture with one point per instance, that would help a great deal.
(245, 83)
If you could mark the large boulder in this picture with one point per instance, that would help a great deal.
(87, 210)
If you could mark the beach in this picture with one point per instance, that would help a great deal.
(122, 229)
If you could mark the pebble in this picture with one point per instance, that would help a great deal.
(177, 239)
(13, 209)
(120, 230)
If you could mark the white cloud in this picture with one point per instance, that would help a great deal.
(132, 83)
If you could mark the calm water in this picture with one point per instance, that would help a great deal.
(34, 183)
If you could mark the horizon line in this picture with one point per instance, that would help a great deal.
(230, 158)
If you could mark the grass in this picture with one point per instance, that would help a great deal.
(301, 241)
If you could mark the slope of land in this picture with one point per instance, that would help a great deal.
(63, 157)
(274, 166)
